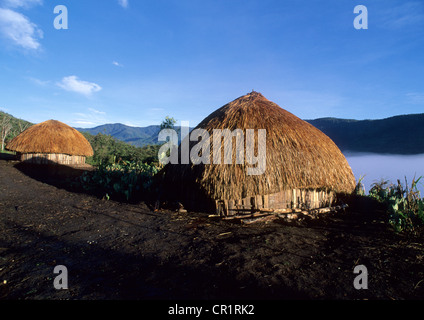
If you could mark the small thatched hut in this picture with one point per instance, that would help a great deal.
(51, 142)
(304, 167)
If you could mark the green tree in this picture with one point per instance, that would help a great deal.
(168, 123)
(108, 150)
(10, 127)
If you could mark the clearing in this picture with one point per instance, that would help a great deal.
(123, 251)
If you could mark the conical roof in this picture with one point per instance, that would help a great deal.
(51, 136)
(298, 156)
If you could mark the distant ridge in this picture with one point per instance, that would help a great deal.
(403, 134)
(137, 136)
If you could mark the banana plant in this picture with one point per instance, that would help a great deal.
(120, 180)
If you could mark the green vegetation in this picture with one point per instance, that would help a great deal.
(10, 127)
(168, 123)
(360, 189)
(125, 181)
(404, 204)
(124, 172)
(108, 151)
(7, 152)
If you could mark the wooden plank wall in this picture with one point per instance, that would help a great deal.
(43, 158)
(297, 198)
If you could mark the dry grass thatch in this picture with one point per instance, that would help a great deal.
(51, 137)
(298, 156)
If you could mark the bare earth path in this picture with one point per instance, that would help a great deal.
(125, 251)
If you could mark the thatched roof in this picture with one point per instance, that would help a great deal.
(298, 155)
(51, 137)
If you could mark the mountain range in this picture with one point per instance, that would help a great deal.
(402, 134)
(137, 136)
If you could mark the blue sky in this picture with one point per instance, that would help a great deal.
(137, 61)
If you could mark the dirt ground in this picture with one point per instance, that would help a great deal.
(125, 251)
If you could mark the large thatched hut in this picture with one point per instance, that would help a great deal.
(51, 142)
(304, 167)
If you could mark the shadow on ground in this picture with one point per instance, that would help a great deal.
(99, 273)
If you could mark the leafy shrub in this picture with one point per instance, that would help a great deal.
(108, 151)
(123, 181)
(404, 204)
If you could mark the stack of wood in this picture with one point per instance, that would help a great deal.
(264, 215)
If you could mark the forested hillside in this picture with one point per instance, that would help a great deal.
(402, 134)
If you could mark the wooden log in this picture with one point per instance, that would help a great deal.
(279, 211)
(259, 219)
(249, 210)
(329, 209)
(292, 216)
(224, 234)
(245, 216)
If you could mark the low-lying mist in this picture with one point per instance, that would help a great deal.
(375, 167)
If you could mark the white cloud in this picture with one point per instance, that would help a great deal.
(415, 98)
(84, 123)
(123, 3)
(115, 63)
(73, 84)
(407, 14)
(94, 111)
(21, 3)
(131, 124)
(19, 29)
(38, 82)
(89, 118)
